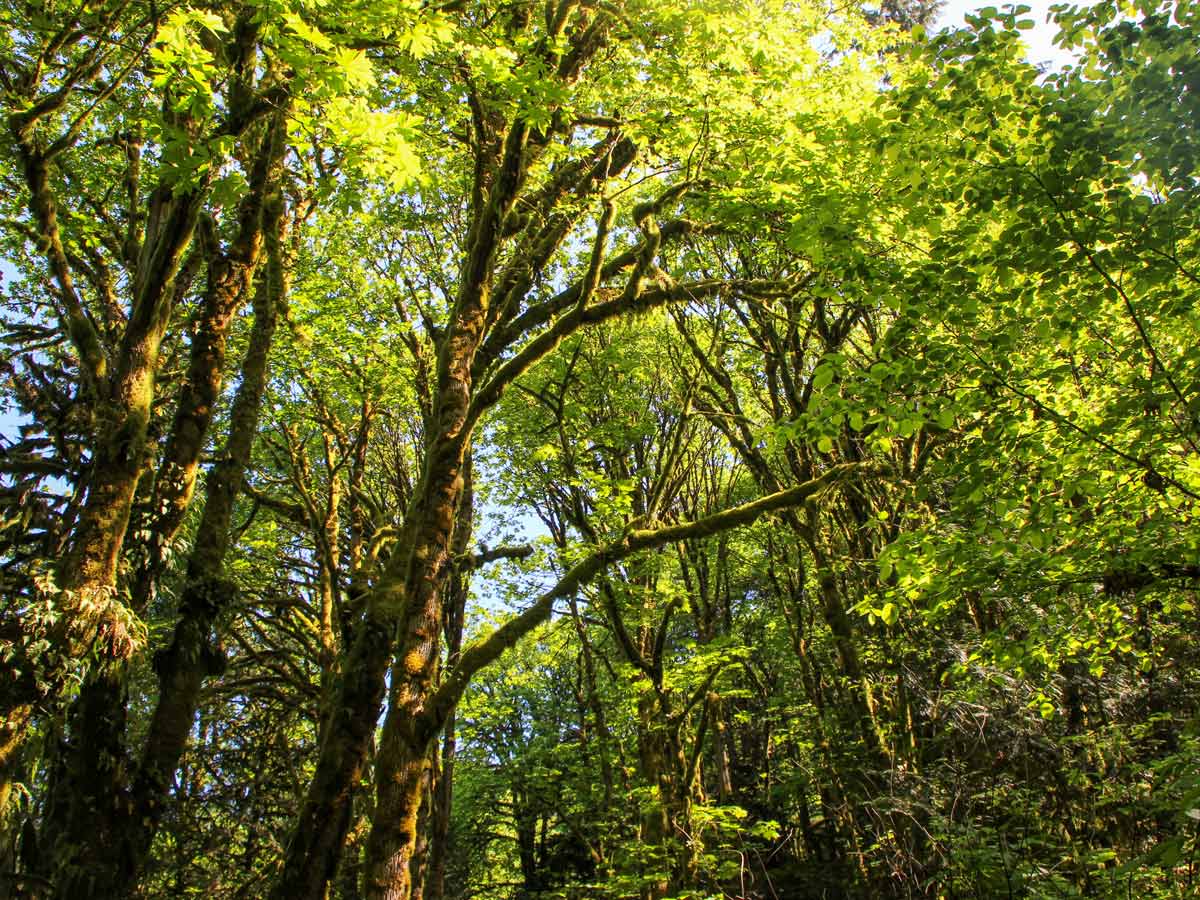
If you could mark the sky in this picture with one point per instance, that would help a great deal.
(1039, 38)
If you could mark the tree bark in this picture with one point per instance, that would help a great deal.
(104, 818)
(228, 286)
(194, 652)
(441, 803)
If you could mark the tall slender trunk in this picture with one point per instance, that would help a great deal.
(104, 818)
(723, 749)
(419, 864)
(88, 616)
(603, 735)
(441, 803)
(656, 827)
(407, 733)
(442, 809)
(228, 287)
(403, 757)
(328, 559)
(525, 822)
(412, 586)
(315, 846)
(194, 651)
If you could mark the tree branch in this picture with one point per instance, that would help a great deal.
(473, 561)
(489, 649)
(545, 342)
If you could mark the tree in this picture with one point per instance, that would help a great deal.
(534, 167)
(850, 371)
(129, 204)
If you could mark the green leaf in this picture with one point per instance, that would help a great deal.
(355, 67)
(822, 376)
(307, 32)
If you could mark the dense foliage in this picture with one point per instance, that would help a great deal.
(720, 449)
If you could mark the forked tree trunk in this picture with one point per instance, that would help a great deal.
(228, 287)
(118, 381)
(102, 818)
(87, 613)
(403, 757)
(194, 652)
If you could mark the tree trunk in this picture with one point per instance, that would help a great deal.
(229, 285)
(109, 817)
(407, 731)
(88, 614)
(312, 854)
(441, 803)
(443, 807)
(656, 821)
(390, 848)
